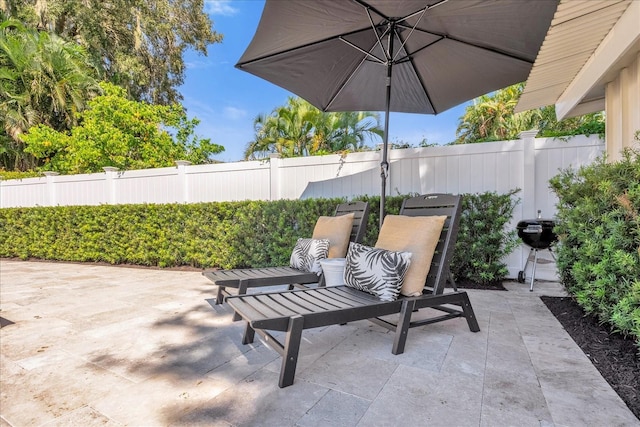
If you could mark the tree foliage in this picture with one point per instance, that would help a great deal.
(300, 129)
(588, 124)
(43, 79)
(491, 118)
(115, 131)
(138, 44)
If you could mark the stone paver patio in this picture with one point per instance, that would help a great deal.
(88, 345)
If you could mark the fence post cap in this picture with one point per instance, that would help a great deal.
(528, 133)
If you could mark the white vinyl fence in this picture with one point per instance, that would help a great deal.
(526, 163)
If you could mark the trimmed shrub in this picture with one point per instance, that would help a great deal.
(229, 234)
(599, 233)
(226, 234)
(484, 240)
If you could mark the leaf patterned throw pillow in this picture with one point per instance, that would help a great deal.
(377, 271)
(307, 254)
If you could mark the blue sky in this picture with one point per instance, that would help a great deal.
(226, 100)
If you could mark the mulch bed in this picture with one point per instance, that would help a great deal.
(615, 357)
(492, 286)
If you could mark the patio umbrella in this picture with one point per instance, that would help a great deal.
(413, 56)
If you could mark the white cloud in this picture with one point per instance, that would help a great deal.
(234, 113)
(198, 64)
(219, 7)
(199, 109)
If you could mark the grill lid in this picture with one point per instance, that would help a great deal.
(537, 233)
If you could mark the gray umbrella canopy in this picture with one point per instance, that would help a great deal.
(412, 56)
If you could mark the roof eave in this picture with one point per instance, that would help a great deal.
(615, 52)
(574, 63)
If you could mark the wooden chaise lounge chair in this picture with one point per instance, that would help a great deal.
(244, 278)
(295, 310)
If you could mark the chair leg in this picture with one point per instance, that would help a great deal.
(242, 290)
(468, 313)
(220, 296)
(402, 329)
(291, 350)
(453, 282)
(249, 334)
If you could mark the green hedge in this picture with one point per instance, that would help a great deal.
(484, 240)
(599, 232)
(229, 234)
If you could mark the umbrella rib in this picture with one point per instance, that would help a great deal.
(490, 49)
(375, 31)
(409, 55)
(358, 48)
(343, 85)
(371, 8)
(446, 36)
(296, 48)
(421, 12)
(422, 85)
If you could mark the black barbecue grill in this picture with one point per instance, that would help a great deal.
(538, 234)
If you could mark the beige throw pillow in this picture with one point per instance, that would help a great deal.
(418, 235)
(337, 229)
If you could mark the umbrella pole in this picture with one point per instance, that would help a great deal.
(384, 165)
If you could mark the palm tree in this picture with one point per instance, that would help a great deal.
(352, 129)
(296, 122)
(491, 117)
(16, 113)
(300, 129)
(260, 147)
(286, 131)
(43, 80)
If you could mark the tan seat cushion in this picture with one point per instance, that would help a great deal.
(418, 235)
(337, 229)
